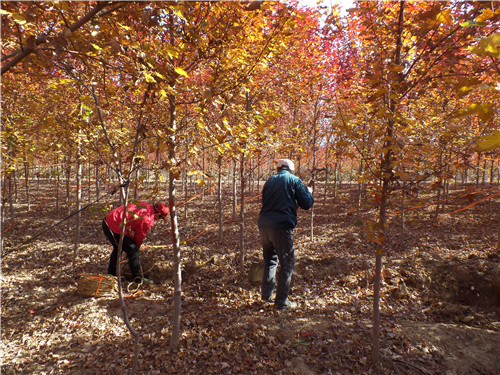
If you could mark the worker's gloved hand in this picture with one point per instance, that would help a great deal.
(310, 189)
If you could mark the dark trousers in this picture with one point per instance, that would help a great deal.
(277, 246)
(128, 246)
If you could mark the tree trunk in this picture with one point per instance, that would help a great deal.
(176, 318)
(313, 172)
(402, 218)
(58, 183)
(89, 186)
(386, 176)
(14, 176)
(78, 201)
(124, 195)
(11, 199)
(27, 184)
(360, 186)
(235, 195)
(335, 181)
(68, 196)
(186, 191)
(325, 190)
(492, 171)
(242, 216)
(438, 199)
(219, 199)
(478, 165)
(97, 183)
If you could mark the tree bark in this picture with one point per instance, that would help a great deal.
(235, 194)
(386, 176)
(242, 216)
(27, 183)
(78, 200)
(219, 199)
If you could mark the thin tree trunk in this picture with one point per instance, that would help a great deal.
(235, 195)
(386, 175)
(478, 164)
(97, 183)
(483, 178)
(27, 183)
(242, 216)
(438, 199)
(325, 190)
(313, 172)
(360, 186)
(176, 317)
(58, 182)
(79, 167)
(402, 218)
(492, 171)
(335, 179)
(219, 198)
(11, 199)
(68, 196)
(124, 194)
(14, 176)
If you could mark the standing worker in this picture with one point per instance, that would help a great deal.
(281, 194)
(140, 219)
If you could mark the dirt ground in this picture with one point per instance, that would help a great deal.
(440, 303)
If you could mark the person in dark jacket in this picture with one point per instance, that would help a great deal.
(141, 217)
(281, 195)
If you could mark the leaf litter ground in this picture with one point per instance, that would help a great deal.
(439, 306)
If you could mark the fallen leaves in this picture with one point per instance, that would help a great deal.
(48, 327)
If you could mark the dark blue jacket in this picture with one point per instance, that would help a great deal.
(281, 194)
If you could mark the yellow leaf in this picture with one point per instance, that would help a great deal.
(148, 77)
(483, 110)
(124, 27)
(445, 17)
(19, 19)
(488, 46)
(159, 75)
(181, 72)
(397, 68)
(487, 14)
(489, 142)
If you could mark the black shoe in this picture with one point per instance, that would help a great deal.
(288, 306)
(143, 281)
(267, 300)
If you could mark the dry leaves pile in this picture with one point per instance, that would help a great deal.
(440, 308)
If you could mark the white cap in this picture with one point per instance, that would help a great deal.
(286, 163)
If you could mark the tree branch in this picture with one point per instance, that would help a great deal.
(24, 51)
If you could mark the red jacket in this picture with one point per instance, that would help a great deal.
(140, 219)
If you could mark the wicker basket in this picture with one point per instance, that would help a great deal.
(97, 285)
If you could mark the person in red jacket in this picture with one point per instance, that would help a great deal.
(140, 219)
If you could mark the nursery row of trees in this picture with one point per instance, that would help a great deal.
(399, 93)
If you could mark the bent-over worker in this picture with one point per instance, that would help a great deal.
(141, 217)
